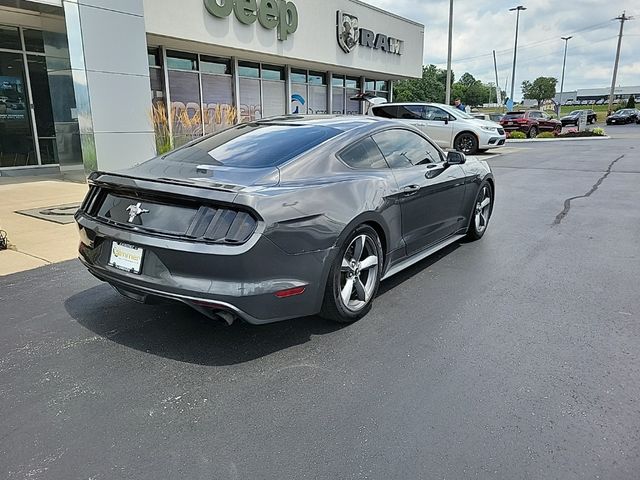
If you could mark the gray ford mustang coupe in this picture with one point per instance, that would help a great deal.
(281, 218)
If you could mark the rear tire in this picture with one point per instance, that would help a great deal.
(481, 213)
(533, 132)
(354, 277)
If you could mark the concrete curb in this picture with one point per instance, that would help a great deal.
(536, 140)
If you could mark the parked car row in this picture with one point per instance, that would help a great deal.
(624, 116)
(530, 122)
(449, 127)
(574, 117)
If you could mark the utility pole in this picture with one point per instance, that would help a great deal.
(564, 63)
(515, 47)
(448, 90)
(623, 18)
(498, 92)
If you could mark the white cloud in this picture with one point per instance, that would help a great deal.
(481, 26)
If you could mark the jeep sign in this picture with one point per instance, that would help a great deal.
(271, 14)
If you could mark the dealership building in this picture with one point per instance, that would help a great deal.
(105, 84)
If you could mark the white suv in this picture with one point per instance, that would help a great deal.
(445, 125)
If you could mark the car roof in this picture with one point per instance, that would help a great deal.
(340, 122)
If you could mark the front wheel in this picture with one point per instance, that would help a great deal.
(354, 277)
(466, 143)
(533, 132)
(482, 209)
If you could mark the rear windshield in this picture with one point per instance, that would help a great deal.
(626, 111)
(255, 145)
(514, 115)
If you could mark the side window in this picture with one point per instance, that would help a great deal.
(436, 114)
(534, 115)
(411, 112)
(390, 111)
(364, 154)
(403, 148)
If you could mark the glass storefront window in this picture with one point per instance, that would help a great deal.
(274, 98)
(17, 147)
(338, 100)
(182, 61)
(33, 41)
(352, 82)
(337, 81)
(317, 99)
(369, 85)
(217, 100)
(42, 108)
(249, 69)
(272, 72)
(250, 100)
(381, 86)
(299, 99)
(184, 88)
(221, 66)
(316, 78)
(154, 57)
(9, 38)
(298, 76)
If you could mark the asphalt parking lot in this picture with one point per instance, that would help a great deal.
(516, 357)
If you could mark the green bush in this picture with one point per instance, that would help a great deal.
(517, 135)
(545, 135)
(599, 131)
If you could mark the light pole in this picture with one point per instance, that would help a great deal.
(564, 63)
(448, 89)
(515, 48)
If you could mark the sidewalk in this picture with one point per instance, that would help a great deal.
(34, 242)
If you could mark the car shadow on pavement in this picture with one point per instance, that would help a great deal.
(413, 270)
(180, 333)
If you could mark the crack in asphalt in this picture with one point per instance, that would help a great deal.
(567, 202)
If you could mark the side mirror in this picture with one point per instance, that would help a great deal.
(456, 158)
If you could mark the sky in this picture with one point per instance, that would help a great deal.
(481, 26)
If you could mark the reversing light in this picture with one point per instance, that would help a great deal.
(291, 292)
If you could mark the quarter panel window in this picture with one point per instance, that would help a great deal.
(411, 112)
(364, 155)
(386, 112)
(403, 148)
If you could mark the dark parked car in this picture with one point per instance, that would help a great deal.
(574, 117)
(626, 115)
(530, 122)
(282, 218)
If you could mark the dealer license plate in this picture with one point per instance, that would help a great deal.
(126, 257)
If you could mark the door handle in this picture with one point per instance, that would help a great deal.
(410, 190)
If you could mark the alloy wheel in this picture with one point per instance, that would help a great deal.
(483, 210)
(466, 144)
(359, 273)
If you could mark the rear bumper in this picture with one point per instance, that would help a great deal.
(242, 280)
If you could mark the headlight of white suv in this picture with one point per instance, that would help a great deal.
(489, 129)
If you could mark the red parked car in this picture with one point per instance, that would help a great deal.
(530, 122)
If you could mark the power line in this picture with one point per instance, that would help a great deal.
(533, 44)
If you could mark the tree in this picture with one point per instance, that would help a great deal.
(542, 88)
(631, 103)
(430, 88)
